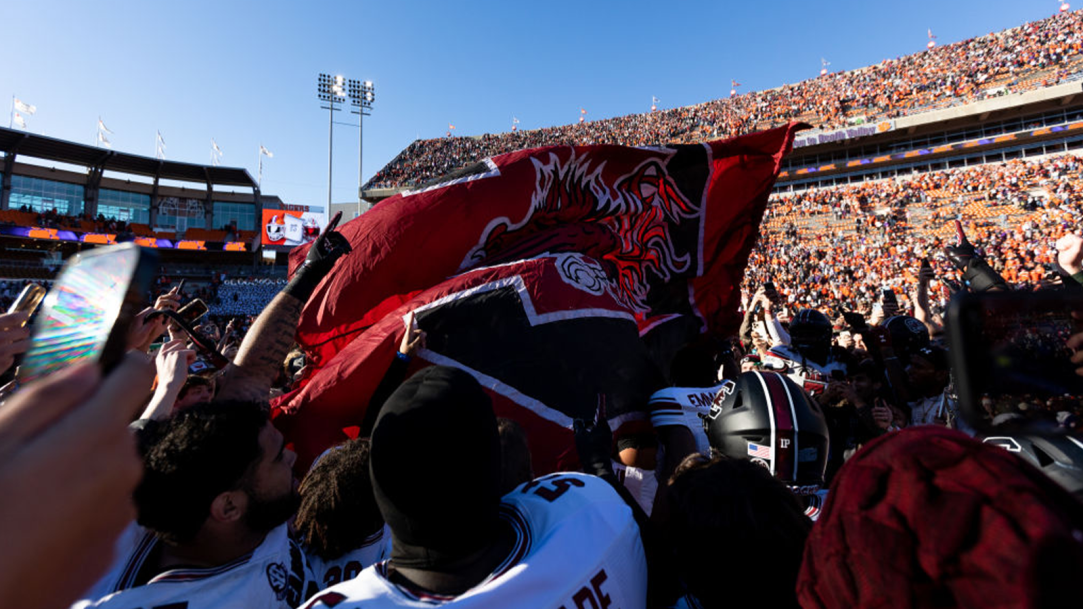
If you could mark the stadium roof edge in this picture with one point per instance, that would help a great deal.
(375, 195)
(1011, 100)
(21, 143)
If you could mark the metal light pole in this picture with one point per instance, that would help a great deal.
(330, 89)
(362, 96)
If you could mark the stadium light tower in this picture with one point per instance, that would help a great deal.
(331, 89)
(362, 95)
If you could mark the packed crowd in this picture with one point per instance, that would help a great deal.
(245, 296)
(1037, 54)
(54, 219)
(436, 500)
(839, 247)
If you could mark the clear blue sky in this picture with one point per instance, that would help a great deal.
(244, 72)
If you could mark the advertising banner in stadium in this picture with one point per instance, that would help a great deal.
(290, 228)
(843, 134)
(55, 234)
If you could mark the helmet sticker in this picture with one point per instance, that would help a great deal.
(759, 450)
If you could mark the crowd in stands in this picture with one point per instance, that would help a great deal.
(1034, 55)
(246, 296)
(838, 247)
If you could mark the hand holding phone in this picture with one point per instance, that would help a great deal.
(28, 300)
(170, 300)
(925, 273)
(881, 414)
(14, 338)
(203, 344)
(890, 302)
(856, 321)
(770, 292)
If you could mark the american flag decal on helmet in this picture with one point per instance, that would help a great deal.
(759, 450)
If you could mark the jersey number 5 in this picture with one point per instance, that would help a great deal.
(556, 487)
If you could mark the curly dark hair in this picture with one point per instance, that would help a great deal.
(338, 510)
(731, 521)
(191, 458)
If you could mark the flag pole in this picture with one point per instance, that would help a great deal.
(259, 178)
(11, 115)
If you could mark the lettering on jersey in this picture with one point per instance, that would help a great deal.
(560, 485)
(716, 403)
(592, 596)
(335, 574)
(701, 400)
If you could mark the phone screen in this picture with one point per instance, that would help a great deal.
(192, 311)
(1009, 353)
(80, 311)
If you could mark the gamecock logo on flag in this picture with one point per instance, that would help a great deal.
(554, 275)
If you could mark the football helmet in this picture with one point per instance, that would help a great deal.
(766, 417)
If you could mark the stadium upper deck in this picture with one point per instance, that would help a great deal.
(893, 102)
(65, 191)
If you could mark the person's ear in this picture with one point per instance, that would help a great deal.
(229, 506)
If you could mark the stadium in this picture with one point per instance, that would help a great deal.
(917, 139)
(734, 314)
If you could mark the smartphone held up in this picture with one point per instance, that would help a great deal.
(86, 314)
(1012, 357)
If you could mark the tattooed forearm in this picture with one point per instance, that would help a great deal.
(260, 356)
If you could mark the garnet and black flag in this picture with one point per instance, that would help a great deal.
(545, 273)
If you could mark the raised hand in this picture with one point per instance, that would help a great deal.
(70, 465)
(413, 338)
(1070, 253)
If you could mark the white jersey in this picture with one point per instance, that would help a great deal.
(374, 549)
(275, 574)
(687, 407)
(808, 375)
(641, 483)
(577, 546)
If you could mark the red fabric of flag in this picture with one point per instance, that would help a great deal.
(662, 234)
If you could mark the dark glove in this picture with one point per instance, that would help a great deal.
(321, 258)
(977, 274)
(594, 443)
(961, 254)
